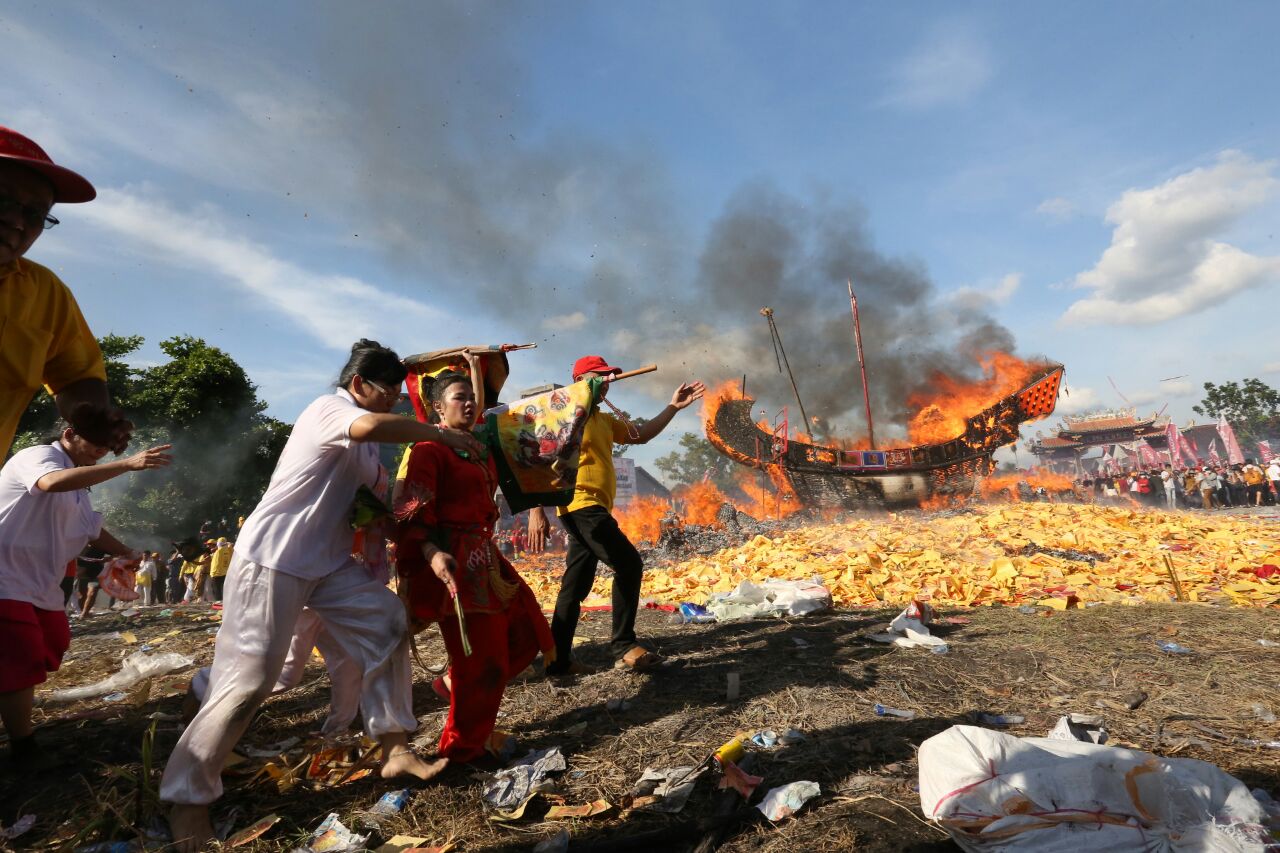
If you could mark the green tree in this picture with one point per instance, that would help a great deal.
(200, 401)
(41, 416)
(1252, 407)
(695, 458)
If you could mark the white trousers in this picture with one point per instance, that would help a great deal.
(345, 676)
(261, 609)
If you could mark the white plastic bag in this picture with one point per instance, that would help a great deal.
(996, 792)
(770, 598)
(136, 667)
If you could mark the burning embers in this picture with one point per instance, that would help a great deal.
(942, 413)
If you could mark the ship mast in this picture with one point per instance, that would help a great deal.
(862, 364)
(781, 355)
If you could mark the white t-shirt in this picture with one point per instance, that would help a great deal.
(40, 532)
(302, 526)
(1273, 471)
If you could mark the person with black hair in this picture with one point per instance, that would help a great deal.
(46, 518)
(294, 552)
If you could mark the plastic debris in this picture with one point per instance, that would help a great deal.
(254, 831)
(667, 789)
(999, 720)
(688, 612)
(886, 711)
(787, 800)
(766, 738)
(392, 802)
(20, 826)
(1170, 647)
(1263, 713)
(136, 667)
(114, 697)
(1082, 727)
(910, 628)
(332, 837)
(738, 779)
(772, 597)
(1270, 644)
(592, 809)
(519, 782)
(996, 792)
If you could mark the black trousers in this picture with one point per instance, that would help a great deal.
(594, 536)
(217, 587)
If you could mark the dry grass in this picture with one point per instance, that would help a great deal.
(817, 674)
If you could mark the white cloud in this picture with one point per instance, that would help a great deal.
(565, 323)
(984, 297)
(1073, 400)
(1171, 390)
(1164, 261)
(1271, 367)
(949, 66)
(335, 309)
(1057, 208)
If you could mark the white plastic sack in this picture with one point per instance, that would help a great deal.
(136, 667)
(909, 629)
(770, 598)
(996, 792)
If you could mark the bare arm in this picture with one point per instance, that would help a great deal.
(683, 397)
(538, 527)
(71, 479)
(396, 429)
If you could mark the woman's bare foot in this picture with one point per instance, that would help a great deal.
(190, 827)
(404, 762)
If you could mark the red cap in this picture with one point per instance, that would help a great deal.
(592, 364)
(68, 187)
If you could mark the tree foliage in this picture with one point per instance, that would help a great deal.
(200, 401)
(692, 462)
(1252, 407)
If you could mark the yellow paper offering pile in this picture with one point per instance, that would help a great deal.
(991, 555)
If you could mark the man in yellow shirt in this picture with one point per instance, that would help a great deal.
(44, 339)
(218, 566)
(594, 535)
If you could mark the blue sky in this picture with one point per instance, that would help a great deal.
(280, 179)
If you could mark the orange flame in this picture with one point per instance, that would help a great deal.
(940, 413)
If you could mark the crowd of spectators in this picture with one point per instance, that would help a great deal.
(1208, 487)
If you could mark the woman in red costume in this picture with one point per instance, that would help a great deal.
(445, 548)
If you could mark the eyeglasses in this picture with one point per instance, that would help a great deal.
(382, 389)
(31, 216)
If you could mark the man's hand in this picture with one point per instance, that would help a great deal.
(538, 526)
(460, 440)
(155, 457)
(687, 393)
(443, 566)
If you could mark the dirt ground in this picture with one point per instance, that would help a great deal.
(817, 674)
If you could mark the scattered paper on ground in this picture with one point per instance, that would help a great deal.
(986, 555)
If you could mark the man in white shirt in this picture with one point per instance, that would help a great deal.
(1273, 474)
(1170, 490)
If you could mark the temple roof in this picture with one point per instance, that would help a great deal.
(1054, 442)
(1126, 421)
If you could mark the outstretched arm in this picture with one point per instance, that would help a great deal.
(397, 429)
(683, 397)
(71, 479)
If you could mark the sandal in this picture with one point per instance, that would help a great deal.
(638, 659)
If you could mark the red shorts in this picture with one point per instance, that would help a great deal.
(34, 642)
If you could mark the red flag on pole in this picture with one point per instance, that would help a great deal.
(1234, 455)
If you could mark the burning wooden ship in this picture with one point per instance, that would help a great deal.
(824, 476)
(834, 477)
